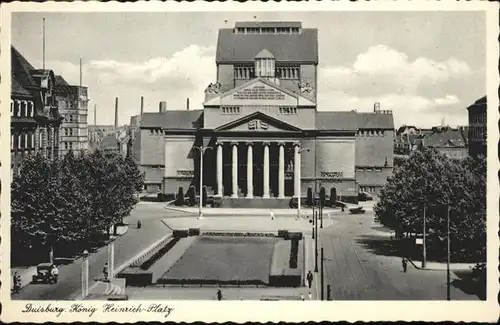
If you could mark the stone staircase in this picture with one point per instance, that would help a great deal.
(255, 203)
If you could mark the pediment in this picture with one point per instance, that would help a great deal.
(259, 91)
(257, 122)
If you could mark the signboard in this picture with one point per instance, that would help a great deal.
(419, 241)
(258, 92)
(332, 175)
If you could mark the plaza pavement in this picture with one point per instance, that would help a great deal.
(131, 243)
(359, 266)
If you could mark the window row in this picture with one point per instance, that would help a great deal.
(23, 140)
(22, 108)
(368, 169)
(244, 72)
(369, 189)
(68, 145)
(68, 132)
(230, 110)
(288, 110)
(288, 72)
(267, 30)
(371, 133)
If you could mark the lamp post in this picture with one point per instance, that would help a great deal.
(424, 249)
(298, 176)
(85, 274)
(448, 296)
(316, 243)
(202, 150)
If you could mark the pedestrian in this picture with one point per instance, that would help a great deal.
(139, 224)
(54, 272)
(310, 296)
(309, 279)
(272, 214)
(16, 278)
(105, 271)
(404, 262)
(302, 297)
(219, 295)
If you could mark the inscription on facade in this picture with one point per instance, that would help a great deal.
(259, 93)
(332, 174)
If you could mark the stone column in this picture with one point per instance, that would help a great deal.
(235, 169)
(266, 170)
(296, 172)
(166, 153)
(281, 172)
(219, 169)
(249, 170)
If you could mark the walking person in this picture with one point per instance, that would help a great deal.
(219, 295)
(309, 279)
(17, 282)
(139, 224)
(404, 262)
(272, 214)
(54, 272)
(302, 297)
(105, 271)
(310, 296)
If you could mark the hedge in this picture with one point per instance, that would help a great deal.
(238, 234)
(180, 233)
(194, 231)
(283, 233)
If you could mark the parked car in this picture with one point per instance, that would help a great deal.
(358, 210)
(43, 274)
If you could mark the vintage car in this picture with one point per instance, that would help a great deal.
(43, 274)
(358, 210)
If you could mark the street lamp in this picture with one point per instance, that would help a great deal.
(85, 274)
(202, 150)
(298, 176)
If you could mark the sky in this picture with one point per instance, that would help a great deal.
(424, 66)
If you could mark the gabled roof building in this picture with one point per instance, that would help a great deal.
(35, 118)
(261, 120)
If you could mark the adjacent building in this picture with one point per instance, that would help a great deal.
(448, 141)
(35, 118)
(477, 127)
(73, 107)
(266, 134)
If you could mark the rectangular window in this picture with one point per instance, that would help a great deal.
(65, 146)
(12, 141)
(33, 140)
(19, 141)
(26, 140)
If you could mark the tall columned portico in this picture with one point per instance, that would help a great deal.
(249, 170)
(220, 191)
(266, 170)
(235, 169)
(281, 171)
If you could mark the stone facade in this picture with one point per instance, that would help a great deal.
(35, 119)
(260, 121)
(477, 130)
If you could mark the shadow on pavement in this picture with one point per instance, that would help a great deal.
(382, 245)
(466, 283)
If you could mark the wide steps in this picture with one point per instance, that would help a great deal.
(255, 203)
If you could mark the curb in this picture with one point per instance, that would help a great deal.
(77, 296)
(452, 268)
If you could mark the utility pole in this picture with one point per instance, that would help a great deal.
(316, 244)
(424, 252)
(448, 296)
(322, 276)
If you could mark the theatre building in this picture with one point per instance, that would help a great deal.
(266, 134)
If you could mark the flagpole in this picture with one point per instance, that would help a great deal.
(43, 43)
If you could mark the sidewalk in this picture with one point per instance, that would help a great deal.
(436, 266)
(69, 285)
(249, 212)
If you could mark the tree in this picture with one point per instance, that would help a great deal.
(309, 199)
(180, 197)
(322, 196)
(431, 179)
(192, 195)
(333, 196)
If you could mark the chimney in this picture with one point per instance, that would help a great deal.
(376, 107)
(163, 107)
(187, 104)
(116, 113)
(142, 105)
